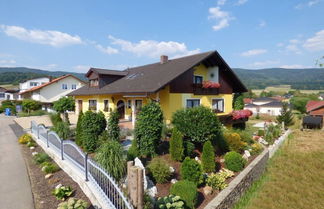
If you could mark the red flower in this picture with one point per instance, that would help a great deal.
(210, 85)
(239, 114)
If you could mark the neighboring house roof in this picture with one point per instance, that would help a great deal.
(247, 101)
(272, 104)
(278, 98)
(251, 105)
(23, 81)
(2, 89)
(313, 105)
(153, 77)
(264, 99)
(312, 120)
(318, 112)
(49, 83)
(106, 72)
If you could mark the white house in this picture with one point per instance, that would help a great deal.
(52, 91)
(265, 105)
(28, 84)
(8, 94)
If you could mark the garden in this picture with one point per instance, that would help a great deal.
(187, 163)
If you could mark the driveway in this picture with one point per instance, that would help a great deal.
(15, 191)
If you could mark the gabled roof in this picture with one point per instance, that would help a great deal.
(272, 104)
(3, 89)
(313, 105)
(49, 83)
(152, 77)
(247, 100)
(264, 99)
(106, 72)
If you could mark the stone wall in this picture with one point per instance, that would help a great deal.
(227, 197)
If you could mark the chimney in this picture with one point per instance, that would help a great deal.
(163, 59)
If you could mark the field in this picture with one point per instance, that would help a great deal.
(294, 177)
(9, 86)
(284, 89)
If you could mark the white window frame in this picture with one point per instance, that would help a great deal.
(64, 85)
(224, 110)
(73, 85)
(192, 99)
(194, 80)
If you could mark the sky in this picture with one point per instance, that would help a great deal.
(74, 35)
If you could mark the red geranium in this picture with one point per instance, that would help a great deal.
(210, 85)
(239, 114)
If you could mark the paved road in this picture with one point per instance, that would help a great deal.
(15, 191)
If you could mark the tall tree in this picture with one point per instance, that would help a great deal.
(286, 116)
(176, 145)
(113, 128)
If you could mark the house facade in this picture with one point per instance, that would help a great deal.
(265, 105)
(8, 94)
(201, 79)
(52, 91)
(28, 84)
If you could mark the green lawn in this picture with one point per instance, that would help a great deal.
(294, 177)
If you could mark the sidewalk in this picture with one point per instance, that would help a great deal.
(15, 191)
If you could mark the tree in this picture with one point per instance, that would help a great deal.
(238, 103)
(110, 156)
(62, 129)
(64, 104)
(176, 145)
(286, 116)
(208, 157)
(113, 128)
(78, 135)
(299, 102)
(93, 124)
(148, 129)
(30, 105)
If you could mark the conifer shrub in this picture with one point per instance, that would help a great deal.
(234, 142)
(187, 191)
(133, 151)
(78, 135)
(160, 170)
(148, 129)
(113, 128)
(62, 129)
(110, 157)
(208, 157)
(55, 118)
(191, 170)
(176, 145)
(234, 161)
(189, 148)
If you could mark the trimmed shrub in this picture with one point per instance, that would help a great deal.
(133, 151)
(160, 170)
(110, 156)
(73, 203)
(199, 124)
(256, 148)
(216, 181)
(41, 158)
(29, 105)
(78, 135)
(170, 202)
(55, 118)
(24, 139)
(113, 128)
(8, 104)
(176, 145)
(189, 148)
(234, 142)
(62, 129)
(187, 191)
(148, 129)
(191, 170)
(208, 157)
(234, 161)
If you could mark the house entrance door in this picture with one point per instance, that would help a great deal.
(121, 109)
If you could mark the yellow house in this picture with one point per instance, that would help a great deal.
(200, 79)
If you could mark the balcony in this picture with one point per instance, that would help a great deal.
(199, 90)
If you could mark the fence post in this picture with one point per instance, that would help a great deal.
(62, 149)
(86, 166)
(47, 138)
(37, 132)
(31, 127)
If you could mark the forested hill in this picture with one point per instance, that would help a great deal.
(311, 78)
(16, 75)
(308, 78)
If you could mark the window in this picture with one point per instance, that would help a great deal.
(129, 104)
(138, 104)
(2, 95)
(33, 83)
(92, 104)
(73, 86)
(193, 103)
(218, 105)
(198, 79)
(64, 86)
(94, 82)
(106, 105)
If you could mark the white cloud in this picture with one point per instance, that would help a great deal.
(262, 23)
(81, 68)
(294, 66)
(253, 52)
(313, 2)
(47, 37)
(267, 63)
(294, 41)
(293, 48)
(307, 4)
(152, 48)
(6, 62)
(221, 2)
(241, 2)
(280, 44)
(315, 43)
(107, 50)
(222, 17)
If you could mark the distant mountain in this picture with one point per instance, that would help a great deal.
(15, 75)
(311, 78)
(308, 78)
